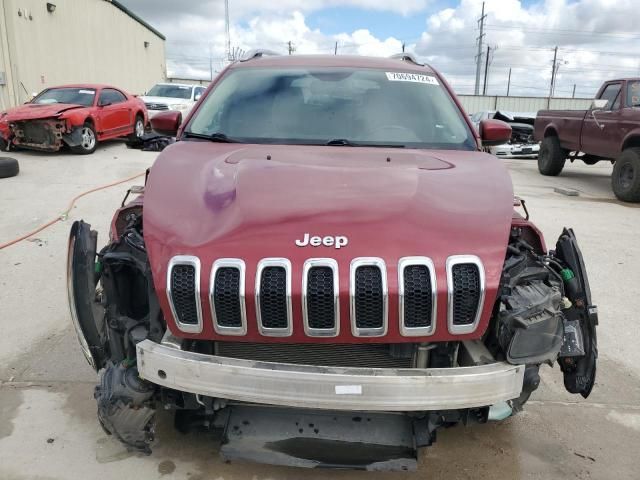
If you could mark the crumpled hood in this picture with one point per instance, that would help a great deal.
(254, 201)
(32, 111)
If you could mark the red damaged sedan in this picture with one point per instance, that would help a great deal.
(78, 116)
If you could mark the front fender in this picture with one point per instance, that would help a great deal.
(631, 139)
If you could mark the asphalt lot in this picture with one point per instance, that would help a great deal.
(48, 427)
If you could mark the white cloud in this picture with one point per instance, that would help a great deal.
(589, 33)
(526, 36)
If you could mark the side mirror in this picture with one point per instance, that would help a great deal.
(494, 132)
(599, 104)
(167, 123)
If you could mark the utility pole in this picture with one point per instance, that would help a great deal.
(335, 50)
(486, 71)
(210, 63)
(226, 27)
(403, 47)
(479, 55)
(573, 95)
(509, 82)
(292, 47)
(553, 71)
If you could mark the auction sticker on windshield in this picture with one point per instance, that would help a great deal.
(412, 77)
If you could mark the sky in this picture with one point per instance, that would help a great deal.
(596, 39)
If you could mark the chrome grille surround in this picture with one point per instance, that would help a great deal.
(417, 331)
(451, 262)
(355, 264)
(333, 265)
(229, 263)
(195, 263)
(266, 331)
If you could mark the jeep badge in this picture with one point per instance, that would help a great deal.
(328, 241)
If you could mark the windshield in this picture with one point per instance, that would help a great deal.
(633, 94)
(362, 106)
(170, 91)
(75, 96)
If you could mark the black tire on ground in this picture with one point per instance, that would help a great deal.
(138, 128)
(89, 141)
(625, 179)
(551, 157)
(9, 167)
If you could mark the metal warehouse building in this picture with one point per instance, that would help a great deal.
(47, 43)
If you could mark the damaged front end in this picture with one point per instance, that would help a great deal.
(521, 144)
(48, 134)
(544, 313)
(283, 404)
(113, 307)
(41, 134)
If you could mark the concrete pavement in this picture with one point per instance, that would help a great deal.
(48, 426)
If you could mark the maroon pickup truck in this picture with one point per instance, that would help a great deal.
(609, 130)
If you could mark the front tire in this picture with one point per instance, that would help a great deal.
(551, 157)
(625, 179)
(89, 140)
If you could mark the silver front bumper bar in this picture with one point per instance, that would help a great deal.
(330, 388)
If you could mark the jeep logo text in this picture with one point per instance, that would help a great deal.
(328, 241)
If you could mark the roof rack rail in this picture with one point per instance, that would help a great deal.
(406, 57)
(260, 52)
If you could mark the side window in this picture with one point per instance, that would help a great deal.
(611, 93)
(633, 94)
(111, 96)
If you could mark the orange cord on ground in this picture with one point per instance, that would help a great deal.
(65, 214)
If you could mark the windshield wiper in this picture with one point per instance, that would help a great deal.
(343, 142)
(212, 137)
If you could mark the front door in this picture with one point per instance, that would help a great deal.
(601, 135)
(115, 115)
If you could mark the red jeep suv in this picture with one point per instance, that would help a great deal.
(324, 269)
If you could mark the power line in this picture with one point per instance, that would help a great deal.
(563, 31)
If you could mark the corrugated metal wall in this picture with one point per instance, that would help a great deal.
(82, 41)
(477, 103)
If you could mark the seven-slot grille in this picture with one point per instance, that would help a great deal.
(320, 291)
